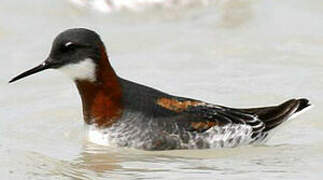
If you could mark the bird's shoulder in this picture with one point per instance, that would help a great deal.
(192, 114)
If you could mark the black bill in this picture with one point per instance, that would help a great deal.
(41, 67)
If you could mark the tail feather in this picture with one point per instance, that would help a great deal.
(287, 109)
(303, 103)
(275, 115)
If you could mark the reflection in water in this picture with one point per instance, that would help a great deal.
(102, 162)
(92, 162)
(99, 158)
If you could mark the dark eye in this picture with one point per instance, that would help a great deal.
(69, 46)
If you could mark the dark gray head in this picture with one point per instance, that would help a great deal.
(75, 52)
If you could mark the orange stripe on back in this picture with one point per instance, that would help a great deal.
(176, 105)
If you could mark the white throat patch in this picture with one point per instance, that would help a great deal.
(84, 70)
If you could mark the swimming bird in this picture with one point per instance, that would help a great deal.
(127, 114)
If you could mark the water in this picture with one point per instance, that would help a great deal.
(239, 53)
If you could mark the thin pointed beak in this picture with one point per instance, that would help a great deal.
(41, 67)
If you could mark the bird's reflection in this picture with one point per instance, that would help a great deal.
(99, 158)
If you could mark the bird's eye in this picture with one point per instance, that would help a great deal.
(69, 46)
